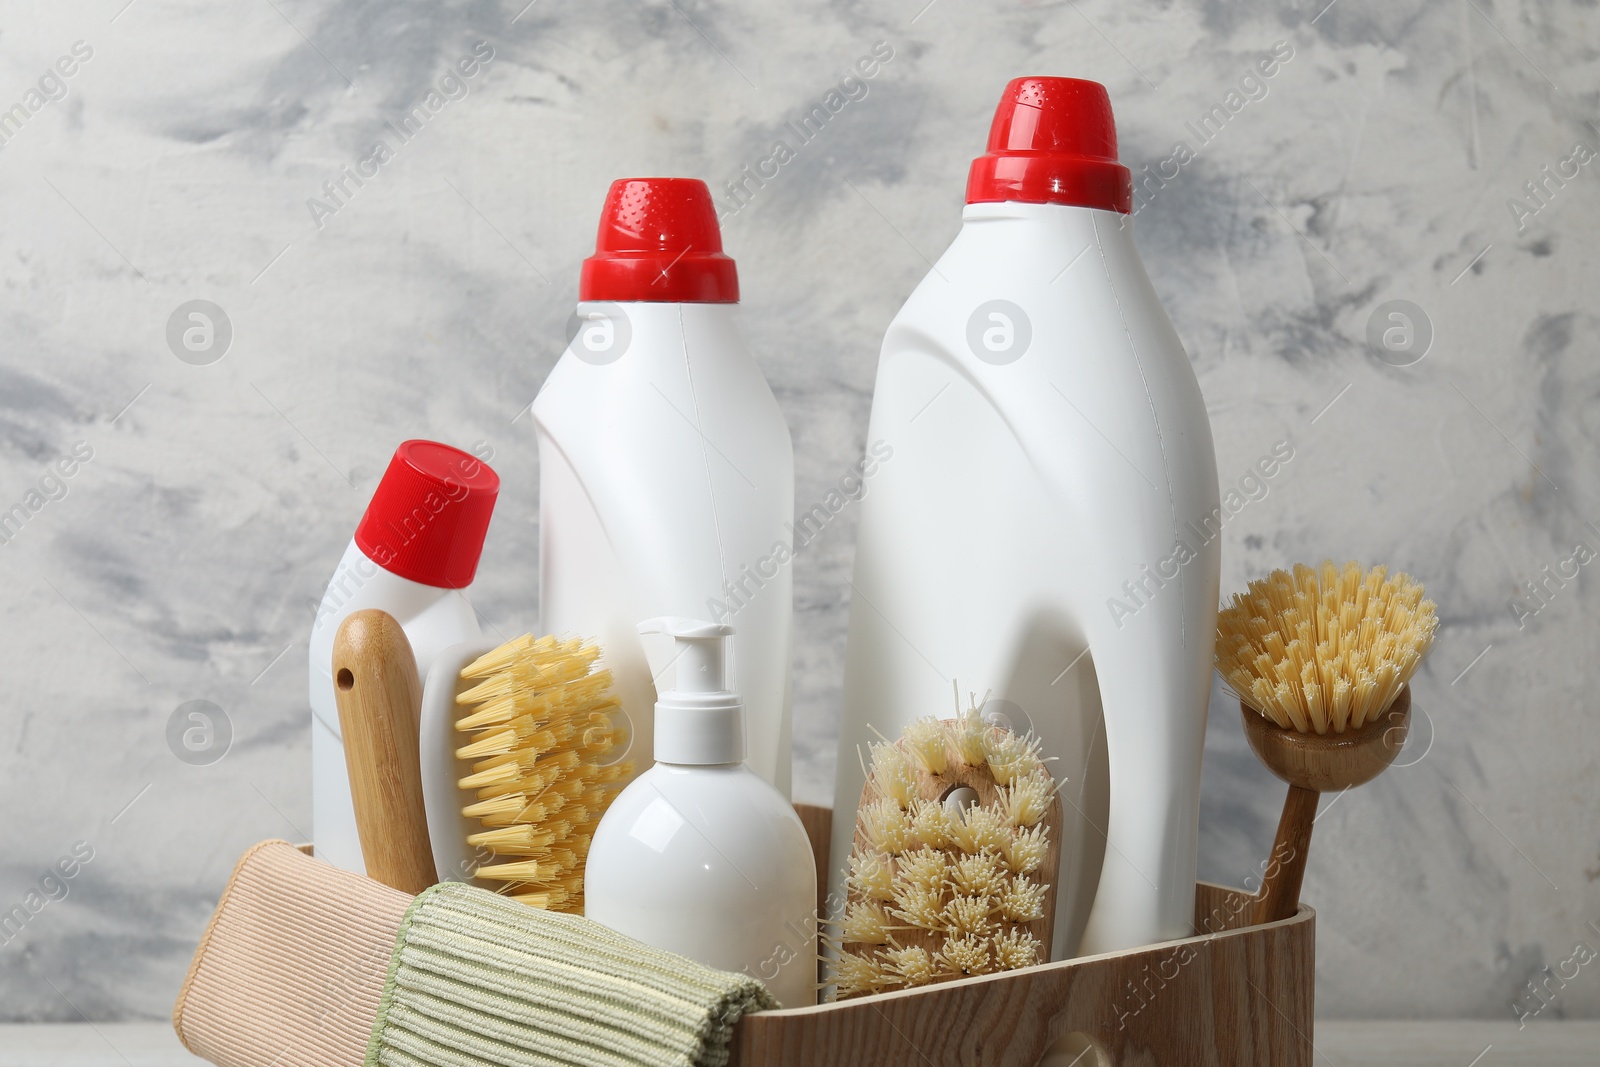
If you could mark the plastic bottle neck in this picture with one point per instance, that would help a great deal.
(679, 768)
(1017, 209)
(665, 308)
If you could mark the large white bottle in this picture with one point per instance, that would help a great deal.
(1047, 529)
(666, 476)
(413, 555)
(700, 855)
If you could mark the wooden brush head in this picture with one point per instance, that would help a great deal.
(1328, 763)
(952, 869)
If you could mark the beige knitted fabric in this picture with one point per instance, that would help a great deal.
(290, 970)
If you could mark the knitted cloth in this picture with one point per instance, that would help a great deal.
(479, 980)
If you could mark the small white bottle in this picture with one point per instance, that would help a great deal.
(413, 555)
(700, 855)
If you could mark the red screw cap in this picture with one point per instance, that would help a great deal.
(1053, 142)
(428, 518)
(659, 242)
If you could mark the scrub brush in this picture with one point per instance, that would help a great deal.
(959, 826)
(543, 749)
(1320, 660)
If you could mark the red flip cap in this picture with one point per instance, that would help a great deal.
(659, 242)
(428, 518)
(1053, 142)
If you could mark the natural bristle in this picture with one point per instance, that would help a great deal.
(938, 890)
(539, 730)
(1324, 650)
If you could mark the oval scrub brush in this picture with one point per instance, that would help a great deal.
(959, 826)
(1320, 660)
(515, 806)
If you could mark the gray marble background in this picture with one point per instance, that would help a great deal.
(185, 558)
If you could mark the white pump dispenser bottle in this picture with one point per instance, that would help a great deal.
(700, 855)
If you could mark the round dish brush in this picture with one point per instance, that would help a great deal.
(1320, 660)
(959, 826)
(543, 753)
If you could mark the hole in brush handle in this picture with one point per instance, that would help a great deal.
(346, 680)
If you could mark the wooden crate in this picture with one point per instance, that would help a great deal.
(1236, 996)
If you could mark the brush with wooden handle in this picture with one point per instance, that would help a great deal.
(1320, 660)
(958, 835)
(380, 699)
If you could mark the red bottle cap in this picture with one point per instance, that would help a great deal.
(428, 518)
(1053, 142)
(659, 241)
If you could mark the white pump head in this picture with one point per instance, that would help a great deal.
(699, 722)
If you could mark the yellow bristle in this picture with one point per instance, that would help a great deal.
(503, 775)
(520, 772)
(508, 740)
(924, 868)
(967, 731)
(549, 805)
(520, 871)
(871, 875)
(1026, 849)
(562, 894)
(888, 829)
(977, 876)
(892, 774)
(497, 811)
(1023, 901)
(866, 923)
(920, 906)
(538, 732)
(856, 974)
(932, 823)
(927, 742)
(1011, 756)
(934, 892)
(1015, 949)
(912, 965)
(1324, 650)
(978, 829)
(1026, 800)
(511, 838)
(968, 916)
(497, 660)
(497, 714)
(966, 955)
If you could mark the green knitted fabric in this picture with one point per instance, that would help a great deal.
(478, 980)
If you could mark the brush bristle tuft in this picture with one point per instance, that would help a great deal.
(1324, 650)
(936, 891)
(927, 742)
(539, 729)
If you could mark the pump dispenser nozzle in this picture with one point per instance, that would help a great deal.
(699, 722)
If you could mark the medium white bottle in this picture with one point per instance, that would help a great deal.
(666, 475)
(1047, 531)
(413, 555)
(700, 855)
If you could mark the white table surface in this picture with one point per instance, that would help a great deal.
(1341, 1043)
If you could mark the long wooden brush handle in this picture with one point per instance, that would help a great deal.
(1280, 885)
(380, 699)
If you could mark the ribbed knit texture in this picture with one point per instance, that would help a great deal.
(479, 980)
(290, 970)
